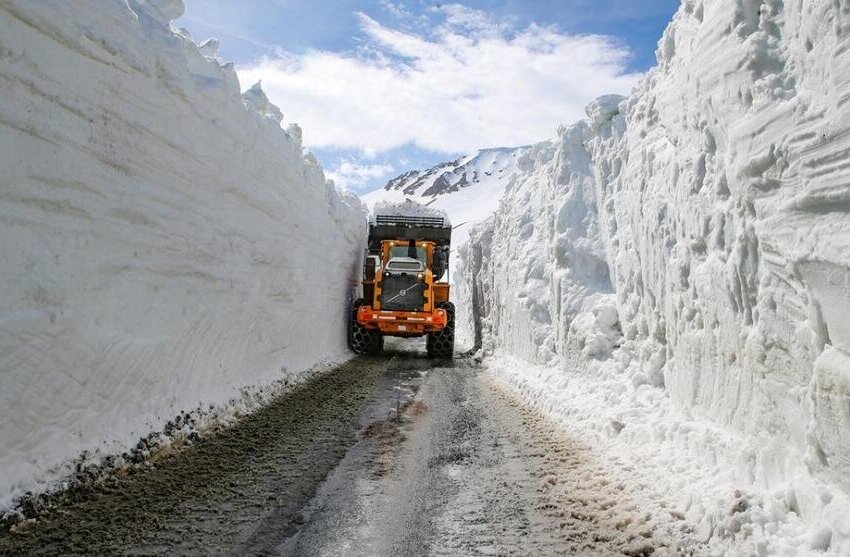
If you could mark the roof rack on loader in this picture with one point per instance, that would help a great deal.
(410, 221)
(398, 227)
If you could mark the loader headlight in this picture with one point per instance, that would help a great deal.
(420, 276)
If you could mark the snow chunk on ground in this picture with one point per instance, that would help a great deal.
(598, 330)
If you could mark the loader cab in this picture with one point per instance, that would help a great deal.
(407, 249)
(401, 248)
(434, 257)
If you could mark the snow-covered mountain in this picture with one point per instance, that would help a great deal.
(468, 188)
(489, 166)
(677, 269)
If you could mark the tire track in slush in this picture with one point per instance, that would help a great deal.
(383, 456)
(467, 469)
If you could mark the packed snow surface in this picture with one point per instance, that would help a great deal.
(677, 270)
(163, 241)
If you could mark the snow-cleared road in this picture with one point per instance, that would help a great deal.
(384, 456)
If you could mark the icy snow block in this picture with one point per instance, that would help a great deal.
(209, 48)
(602, 109)
(163, 11)
(255, 99)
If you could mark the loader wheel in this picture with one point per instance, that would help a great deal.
(360, 339)
(441, 345)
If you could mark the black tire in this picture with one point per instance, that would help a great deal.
(441, 345)
(360, 339)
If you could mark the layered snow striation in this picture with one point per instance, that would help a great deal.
(522, 258)
(163, 241)
(694, 239)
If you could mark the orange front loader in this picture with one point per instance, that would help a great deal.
(404, 293)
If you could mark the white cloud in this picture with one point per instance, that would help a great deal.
(396, 9)
(470, 83)
(349, 174)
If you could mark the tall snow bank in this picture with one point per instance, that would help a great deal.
(716, 197)
(542, 260)
(163, 243)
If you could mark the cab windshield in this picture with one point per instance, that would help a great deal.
(402, 251)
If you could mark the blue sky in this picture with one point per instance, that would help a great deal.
(381, 87)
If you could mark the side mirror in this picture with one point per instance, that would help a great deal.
(441, 263)
(370, 266)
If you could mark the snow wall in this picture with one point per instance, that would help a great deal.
(695, 238)
(163, 242)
